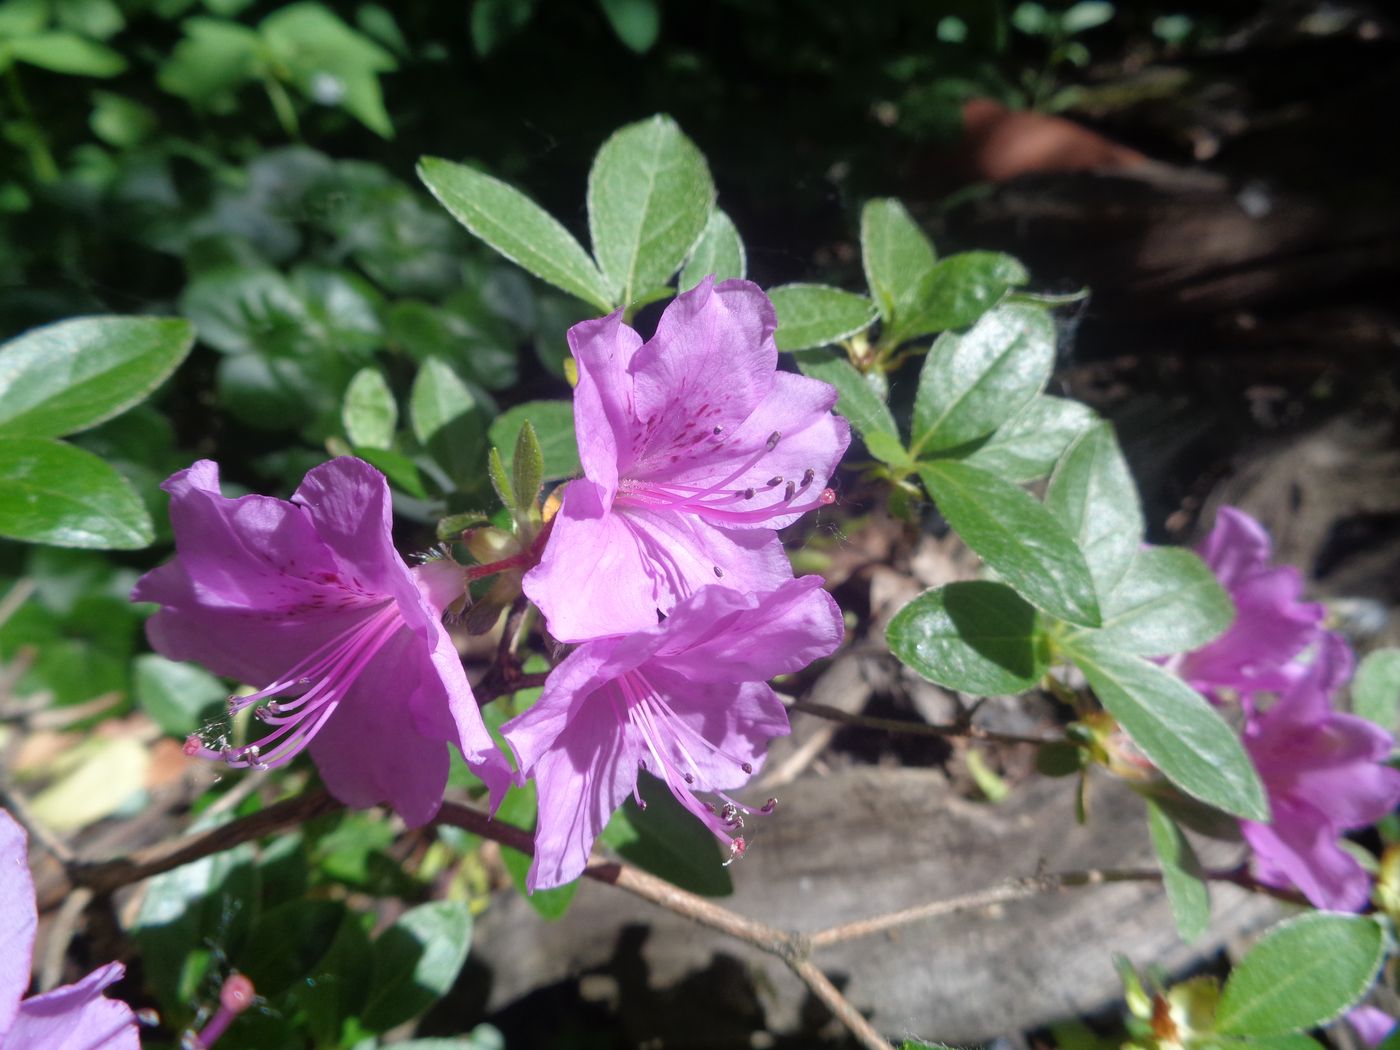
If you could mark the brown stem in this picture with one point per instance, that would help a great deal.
(896, 725)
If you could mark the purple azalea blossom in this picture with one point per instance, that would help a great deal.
(685, 700)
(1259, 652)
(1325, 774)
(1372, 1024)
(74, 1017)
(309, 601)
(694, 450)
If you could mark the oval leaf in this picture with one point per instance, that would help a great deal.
(516, 227)
(719, 251)
(971, 384)
(978, 637)
(859, 403)
(957, 291)
(369, 413)
(1175, 727)
(51, 492)
(1182, 876)
(449, 419)
(817, 315)
(1301, 974)
(1092, 492)
(554, 428)
(69, 376)
(649, 197)
(1017, 537)
(1028, 445)
(896, 256)
(1169, 602)
(416, 962)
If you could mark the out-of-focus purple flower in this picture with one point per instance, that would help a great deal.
(694, 450)
(1272, 627)
(74, 1017)
(1325, 774)
(309, 601)
(685, 700)
(1372, 1024)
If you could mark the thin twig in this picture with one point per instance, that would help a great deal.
(60, 935)
(897, 725)
(18, 804)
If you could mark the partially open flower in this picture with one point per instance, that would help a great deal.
(74, 1017)
(308, 601)
(684, 700)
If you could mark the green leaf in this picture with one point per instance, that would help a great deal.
(527, 472)
(636, 22)
(1375, 691)
(330, 63)
(1182, 875)
(649, 198)
(1087, 14)
(858, 402)
(449, 420)
(61, 52)
(1168, 602)
(416, 962)
(500, 480)
(972, 384)
(977, 637)
(51, 492)
(719, 251)
(1028, 445)
(178, 696)
(1092, 492)
(1302, 974)
(210, 63)
(668, 841)
(369, 413)
(397, 467)
(554, 428)
(1174, 726)
(517, 227)
(98, 19)
(818, 315)
(120, 121)
(957, 291)
(73, 375)
(1017, 537)
(896, 256)
(495, 21)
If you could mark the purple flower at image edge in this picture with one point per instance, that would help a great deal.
(1272, 626)
(1372, 1024)
(695, 450)
(685, 700)
(73, 1017)
(309, 601)
(1325, 774)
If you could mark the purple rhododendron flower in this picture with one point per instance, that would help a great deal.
(74, 1017)
(309, 601)
(1272, 627)
(685, 700)
(1325, 774)
(694, 450)
(1372, 1024)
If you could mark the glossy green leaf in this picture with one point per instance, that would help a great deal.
(896, 256)
(51, 492)
(1182, 875)
(811, 315)
(61, 52)
(554, 428)
(450, 421)
(719, 251)
(1174, 726)
(517, 227)
(668, 841)
(973, 383)
(1017, 537)
(1093, 493)
(416, 962)
(957, 291)
(1375, 691)
(72, 375)
(369, 413)
(1168, 602)
(178, 696)
(858, 402)
(1027, 446)
(636, 22)
(649, 198)
(978, 637)
(1302, 974)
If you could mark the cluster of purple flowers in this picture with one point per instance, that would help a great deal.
(1325, 770)
(663, 566)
